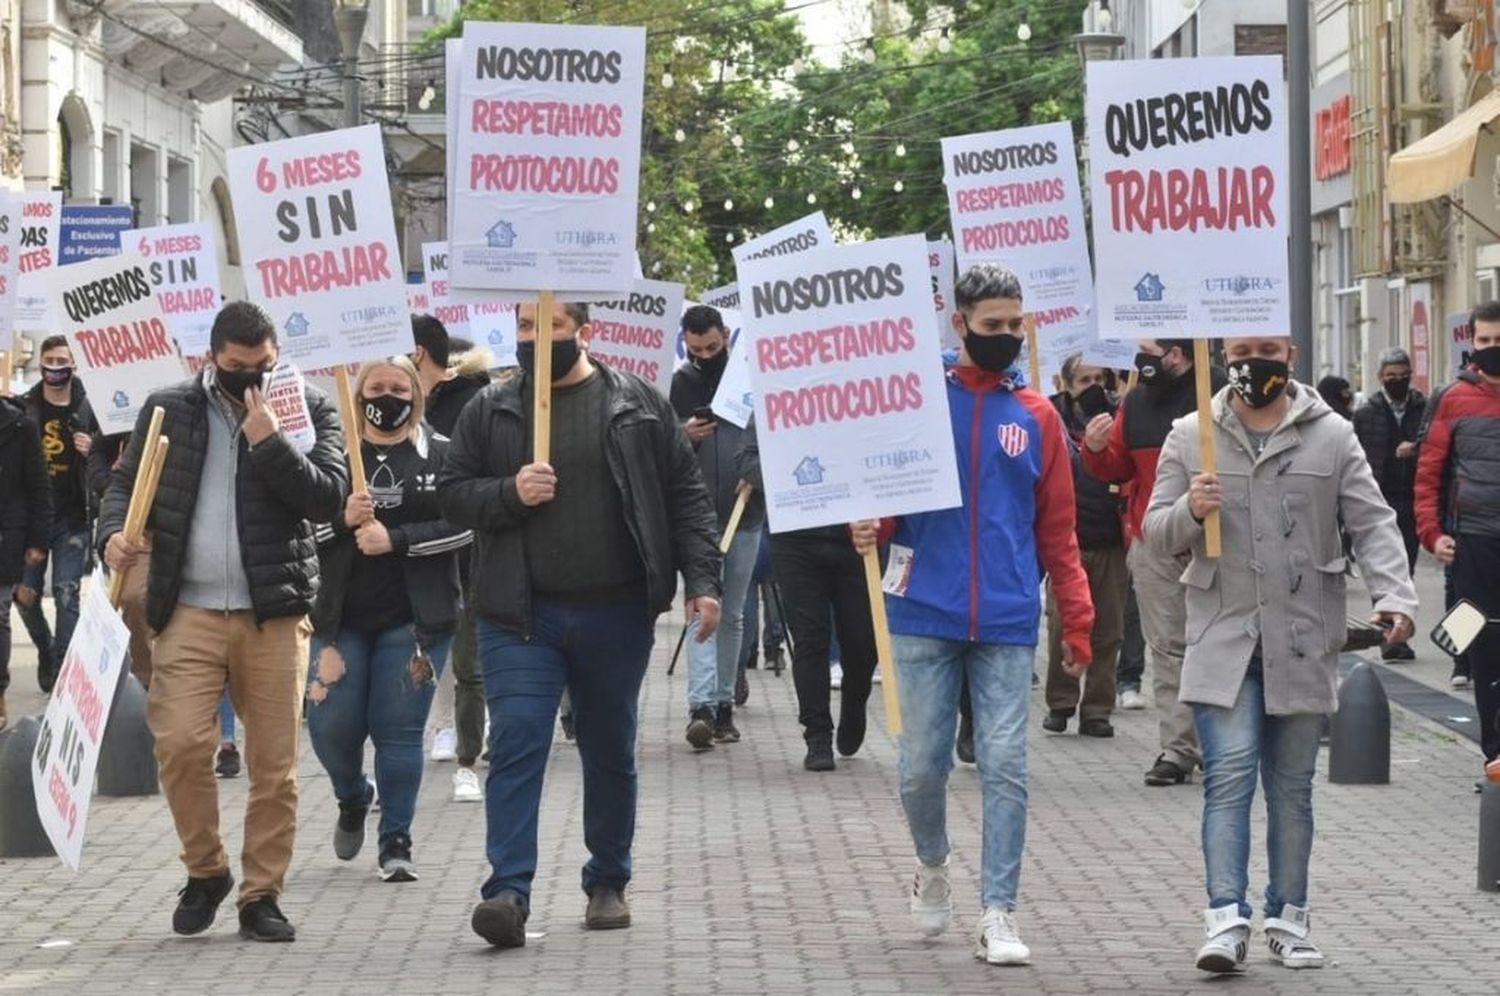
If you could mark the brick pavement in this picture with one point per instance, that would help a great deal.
(755, 877)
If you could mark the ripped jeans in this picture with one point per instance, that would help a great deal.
(68, 549)
(376, 697)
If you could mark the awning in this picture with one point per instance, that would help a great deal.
(1438, 163)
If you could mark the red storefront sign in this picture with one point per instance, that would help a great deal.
(1332, 156)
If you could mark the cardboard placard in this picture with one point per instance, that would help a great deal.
(41, 214)
(184, 269)
(638, 332)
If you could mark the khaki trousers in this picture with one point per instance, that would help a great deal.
(133, 612)
(266, 669)
(1108, 582)
(1163, 604)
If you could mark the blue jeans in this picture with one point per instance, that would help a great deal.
(376, 698)
(1237, 744)
(226, 718)
(931, 674)
(714, 664)
(599, 654)
(68, 550)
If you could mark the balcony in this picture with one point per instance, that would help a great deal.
(205, 50)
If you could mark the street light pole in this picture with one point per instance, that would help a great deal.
(1299, 161)
(349, 17)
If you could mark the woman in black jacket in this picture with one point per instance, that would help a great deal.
(25, 515)
(384, 617)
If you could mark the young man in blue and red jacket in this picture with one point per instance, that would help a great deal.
(963, 601)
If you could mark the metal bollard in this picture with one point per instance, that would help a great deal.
(1359, 751)
(127, 758)
(1489, 837)
(21, 833)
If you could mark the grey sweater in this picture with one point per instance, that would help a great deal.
(213, 573)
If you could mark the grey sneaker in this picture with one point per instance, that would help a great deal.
(395, 860)
(349, 832)
(607, 909)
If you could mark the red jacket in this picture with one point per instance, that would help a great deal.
(1458, 462)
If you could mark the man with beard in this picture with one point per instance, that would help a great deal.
(713, 665)
(1123, 449)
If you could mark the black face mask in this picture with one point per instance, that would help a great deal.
(1153, 374)
(564, 356)
(1258, 381)
(236, 382)
(57, 376)
(1093, 401)
(1488, 360)
(712, 367)
(1398, 388)
(387, 412)
(994, 353)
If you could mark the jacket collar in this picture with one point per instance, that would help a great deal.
(979, 381)
(511, 398)
(1306, 407)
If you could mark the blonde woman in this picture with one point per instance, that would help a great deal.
(384, 617)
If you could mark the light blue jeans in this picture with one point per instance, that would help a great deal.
(714, 664)
(1239, 743)
(931, 673)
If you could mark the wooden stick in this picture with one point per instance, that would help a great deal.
(349, 414)
(541, 388)
(6, 372)
(142, 495)
(738, 513)
(1033, 355)
(1131, 379)
(886, 655)
(1212, 539)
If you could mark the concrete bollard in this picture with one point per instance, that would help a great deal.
(1489, 837)
(21, 833)
(1360, 734)
(127, 758)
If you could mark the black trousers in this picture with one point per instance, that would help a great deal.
(822, 584)
(1132, 665)
(1476, 576)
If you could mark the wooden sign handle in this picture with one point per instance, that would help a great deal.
(883, 648)
(142, 493)
(541, 387)
(1033, 355)
(740, 501)
(349, 415)
(6, 372)
(1212, 538)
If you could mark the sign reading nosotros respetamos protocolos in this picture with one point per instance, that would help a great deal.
(1188, 160)
(319, 245)
(549, 156)
(118, 333)
(637, 332)
(851, 406)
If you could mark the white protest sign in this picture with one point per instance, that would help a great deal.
(319, 245)
(1189, 166)
(454, 314)
(119, 336)
(67, 747)
(734, 401)
(940, 261)
(41, 217)
(638, 332)
(10, 244)
(851, 405)
(802, 235)
(453, 50)
(724, 297)
(1013, 199)
(184, 269)
(549, 157)
(285, 394)
(1114, 354)
(418, 299)
(492, 324)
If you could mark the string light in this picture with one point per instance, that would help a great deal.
(728, 236)
(770, 203)
(650, 206)
(812, 198)
(792, 145)
(898, 186)
(869, 53)
(856, 193)
(667, 80)
(728, 204)
(1023, 32)
(680, 135)
(687, 206)
(737, 141)
(945, 43)
(656, 267)
(900, 149)
(651, 227)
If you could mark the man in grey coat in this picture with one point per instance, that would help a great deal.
(1266, 621)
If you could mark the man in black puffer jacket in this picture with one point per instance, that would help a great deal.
(233, 572)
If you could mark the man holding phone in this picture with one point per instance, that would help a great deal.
(713, 665)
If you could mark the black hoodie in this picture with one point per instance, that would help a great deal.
(86, 479)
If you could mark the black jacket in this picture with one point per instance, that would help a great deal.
(25, 492)
(280, 492)
(1098, 503)
(91, 473)
(1380, 433)
(427, 545)
(446, 401)
(718, 451)
(670, 515)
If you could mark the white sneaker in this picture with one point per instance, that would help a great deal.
(996, 940)
(1228, 942)
(1132, 698)
(1287, 937)
(445, 745)
(466, 786)
(931, 899)
(875, 678)
(836, 676)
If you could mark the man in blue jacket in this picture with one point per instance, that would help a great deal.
(962, 595)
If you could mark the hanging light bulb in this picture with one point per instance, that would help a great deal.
(770, 203)
(847, 148)
(680, 135)
(667, 80)
(651, 227)
(728, 204)
(900, 149)
(650, 206)
(728, 236)
(429, 94)
(656, 267)
(856, 193)
(869, 54)
(792, 145)
(812, 198)
(687, 206)
(945, 43)
(738, 141)
(1023, 32)
(898, 186)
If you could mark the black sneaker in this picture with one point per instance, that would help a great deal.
(349, 833)
(965, 745)
(1096, 727)
(198, 902)
(851, 732)
(1056, 721)
(1397, 652)
(776, 662)
(502, 920)
(700, 728)
(46, 671)
(227, 764)
(395, 860)
(819, 754)
(1164, 772)
(725, 732)
(570, 734)
(262, 920)
(1460, 676)
(741, 688)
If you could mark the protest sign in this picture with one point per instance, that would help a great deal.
(734, 401)
(453, 50)
(67, 746)
(802, 235)
(91, 231)
(118, 333)
(40, 214)
(548, 157)
(419, 299)
(10, 245)
(184, 269)
(442, 305)
(1189, 193)
(638, 332)
(1460, 341)
(727, 296)
(285, 393)
(940, 261)
(319, 245)
(851, 405)
(492, 324)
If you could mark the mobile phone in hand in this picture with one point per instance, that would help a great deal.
(705, 414)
